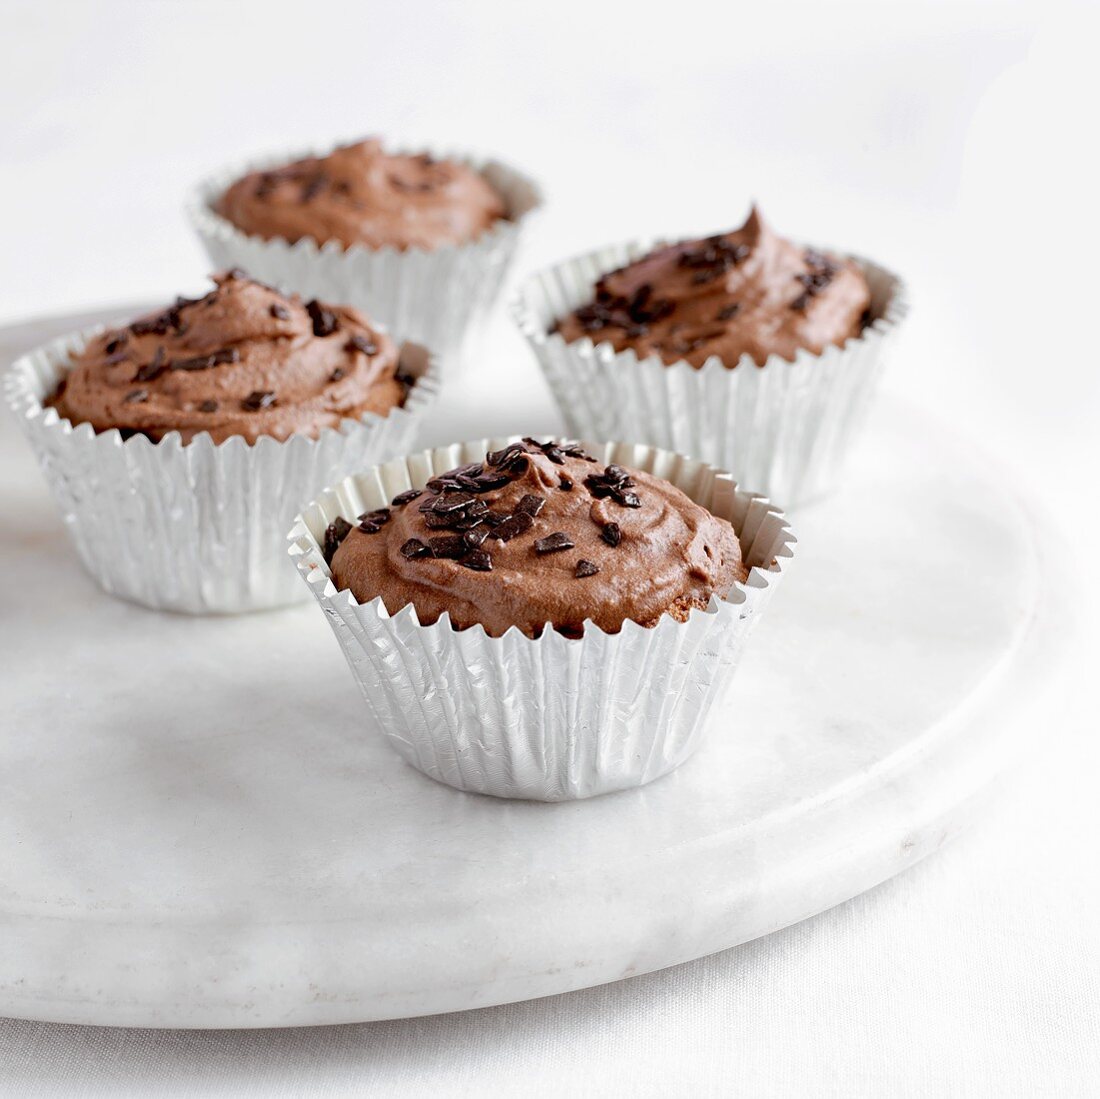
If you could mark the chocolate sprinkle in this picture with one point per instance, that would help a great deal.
(554, 543)
(258, 400)
(208, 406)
(585, 568)
(136, 396)
(611, 533)
(478, 560)
(336, 532)
(414, 547)
(406, 497)
(325, 321)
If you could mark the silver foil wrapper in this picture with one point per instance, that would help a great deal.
(437, 297)
(198, 528)
(552, 718)
(785, 427)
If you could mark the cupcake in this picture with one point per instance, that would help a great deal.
(420, 242)
(179, 445)
(742, 349)
(541, 619)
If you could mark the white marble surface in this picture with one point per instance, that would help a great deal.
(202, 832)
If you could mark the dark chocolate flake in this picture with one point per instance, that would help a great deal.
(336, 532)
(476, 535)
(406, 497)
(530, 505)
(585, 568)
(728, 312)
(258, 400)
(325, 321)
(152, 369)
(279, 312)
(513, 526)
(478, 560)
(136, 396)
(565, 484)
(208, 406)
(414, 547)
(337, 375)
(361, 343)
(448, 545)
(554, 543)
(611, 533)
(206, 362)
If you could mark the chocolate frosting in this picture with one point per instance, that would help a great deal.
(539, 533)
(359, 194)
(746, 292)
(243, 360)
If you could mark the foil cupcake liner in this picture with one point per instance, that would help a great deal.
(552, 718)
(785, 427)
(198, 528)
(436, 297)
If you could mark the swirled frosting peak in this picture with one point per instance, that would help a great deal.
(745, 292)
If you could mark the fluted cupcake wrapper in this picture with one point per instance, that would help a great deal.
(552, 718)
(785, 427)
(196, 527)
(433, 296)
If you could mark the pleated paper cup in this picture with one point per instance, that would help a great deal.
(436, 297)
(196, 527)
(785, 427)
(552, 718)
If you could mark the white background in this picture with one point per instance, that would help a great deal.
(955, 143)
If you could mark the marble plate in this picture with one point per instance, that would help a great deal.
(199, 829)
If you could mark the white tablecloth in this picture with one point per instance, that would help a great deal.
(944, 139)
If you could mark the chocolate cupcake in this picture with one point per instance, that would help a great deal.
(541, 619)
(537, 535)
(244, 360)
(179, 445)
(748, 350)
(420, 241)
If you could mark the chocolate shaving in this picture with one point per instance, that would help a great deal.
(335, 533)
(406, 497)
(338, 374)
(325, 321)
(476, 535)
(611, 533)
(554, 543)
(728, 312)
(585, 568)
(414, 547)
(118, 340)
(565, 484)
(136, 396)
(279, 312)
(258, 400)
(208, 406)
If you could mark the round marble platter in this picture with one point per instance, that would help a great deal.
(200, 829)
